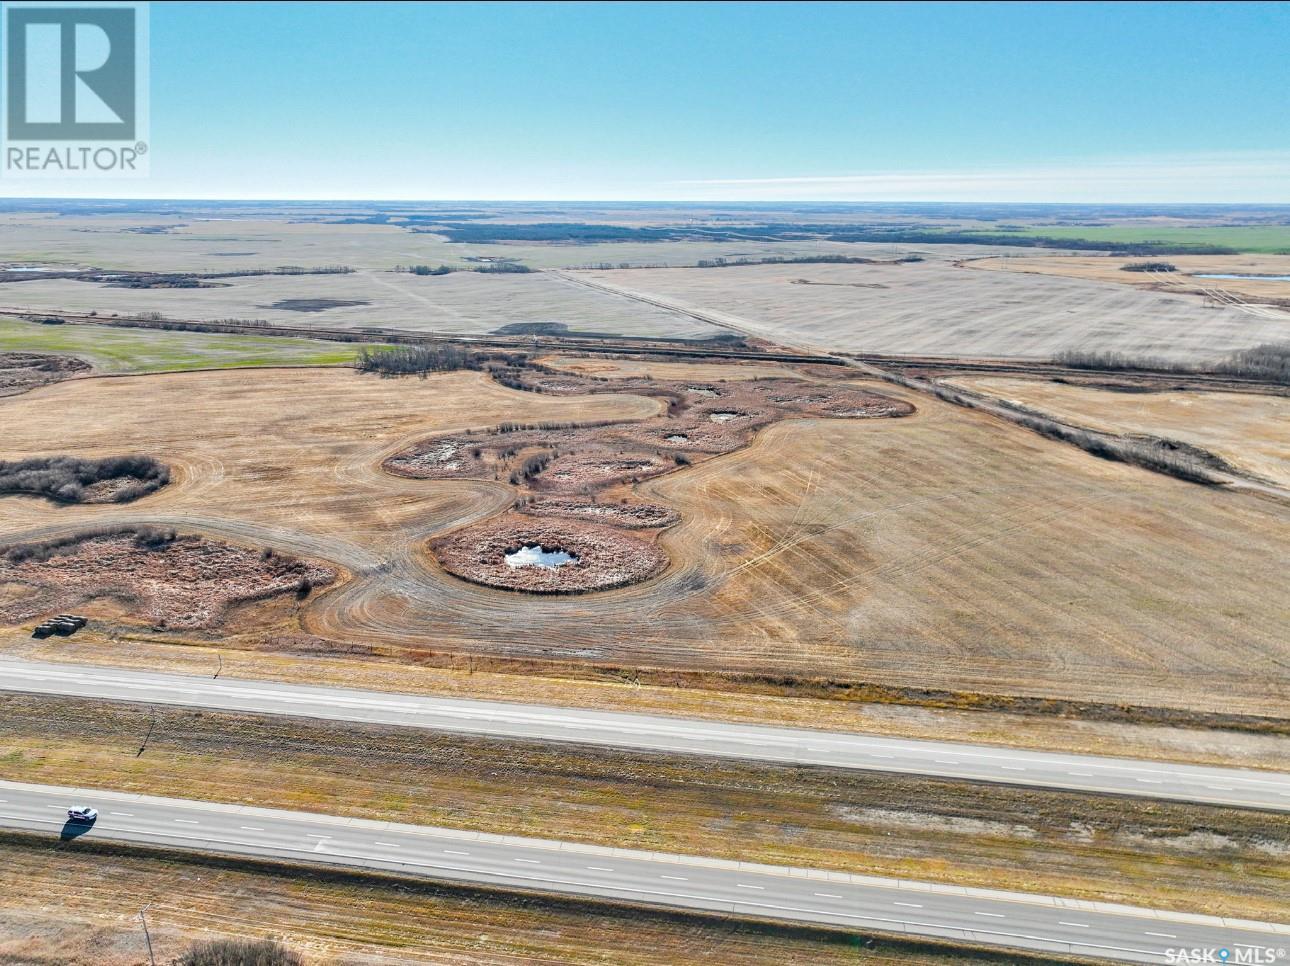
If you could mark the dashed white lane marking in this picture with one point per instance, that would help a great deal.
(740, 885)
(911, 905)
(1080, 774)
(599, 868)
(1162, 935)
(1012, 768)
(310, 835)
(1220, 788)
(123, 814)
(678, 878)
(529, 861)
(186, 821)
(1149, 781)
(1082, 925)
(388, 845)
(250, 828)
(451, 852)
(992, 915)
(827, 895)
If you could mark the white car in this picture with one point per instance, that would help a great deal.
(83, 814)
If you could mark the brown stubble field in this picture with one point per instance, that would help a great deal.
(939, 550)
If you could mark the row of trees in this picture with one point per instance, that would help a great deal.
(1269, 362)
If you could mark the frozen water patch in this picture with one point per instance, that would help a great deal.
(536, 555)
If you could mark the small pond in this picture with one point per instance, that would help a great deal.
(536, 555)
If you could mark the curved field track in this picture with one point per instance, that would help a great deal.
(289, 460)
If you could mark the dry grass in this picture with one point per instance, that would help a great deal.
(1221, 861)
(606, 368)
(334, 918)
(1249, 431)
(103, 644)
(936, 308)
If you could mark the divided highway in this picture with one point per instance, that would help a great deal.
(769, 892)
(1243, 788)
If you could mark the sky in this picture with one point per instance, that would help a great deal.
(1079, 102)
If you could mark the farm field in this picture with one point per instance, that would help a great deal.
(1269, 239)
(120, 350)
(217, 240)
(937, 308)
(1248, 430)
(1110, 268)
(460, 303)
(290, 459)
(943, 549)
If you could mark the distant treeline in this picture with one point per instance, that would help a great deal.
(489, 268)
(66, 479)
(198, 279)
(1269, 362)
(582, 233)
(1150, 267)
(799, 260)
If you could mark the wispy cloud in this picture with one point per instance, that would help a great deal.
(1250, 177)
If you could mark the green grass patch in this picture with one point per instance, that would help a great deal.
(113, 349)
(1264, 239)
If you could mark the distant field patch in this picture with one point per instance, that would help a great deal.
(151, 350)
(315, 305)
(1269, 239)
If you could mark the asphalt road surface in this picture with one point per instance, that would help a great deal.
(650, 878)
(1042, 769)
(1086, 773)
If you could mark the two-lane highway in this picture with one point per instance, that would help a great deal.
(1017, 920)
(1244, 788)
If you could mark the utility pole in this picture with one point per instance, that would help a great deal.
(146, 935)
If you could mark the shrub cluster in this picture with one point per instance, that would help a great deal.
(66, 478)
(417, 359)
(1149, 267)
(239, 952)
(146, 538)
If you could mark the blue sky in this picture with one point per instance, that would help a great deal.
(1034, 102)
